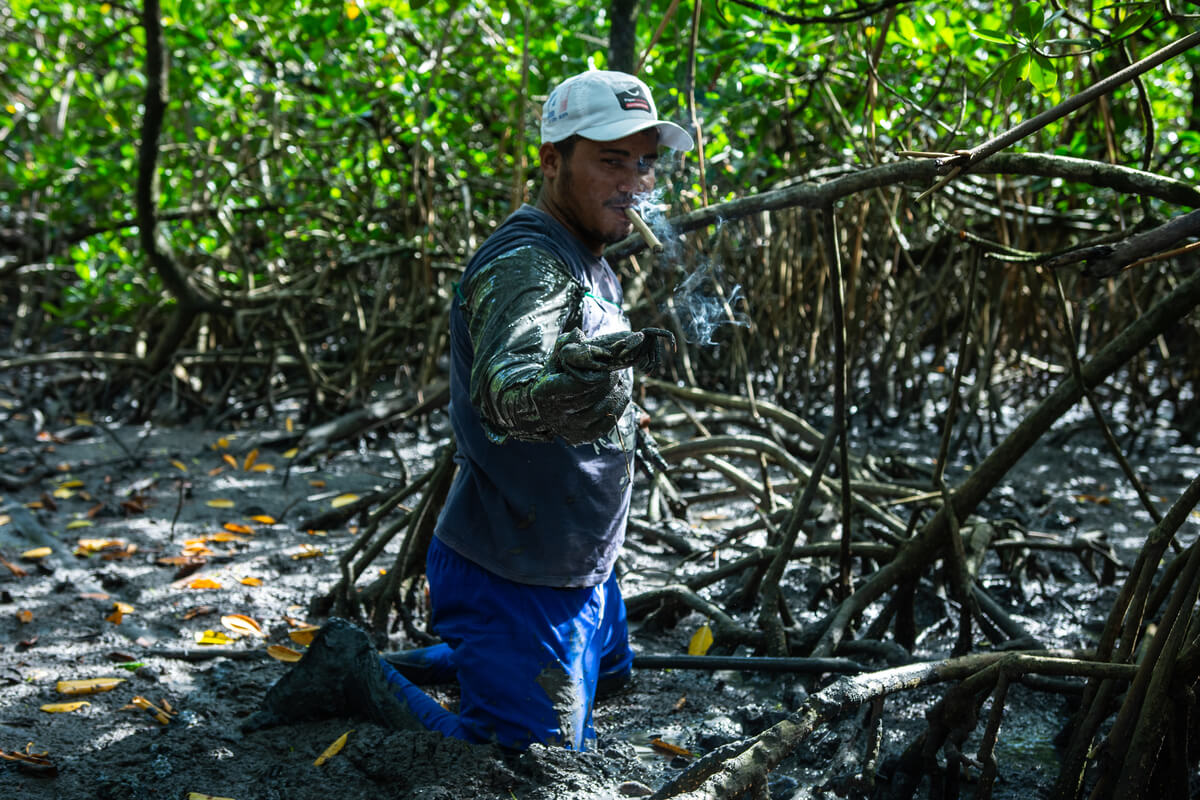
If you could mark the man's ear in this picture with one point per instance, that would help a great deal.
(550, 159)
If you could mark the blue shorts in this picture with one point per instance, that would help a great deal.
(527, 658)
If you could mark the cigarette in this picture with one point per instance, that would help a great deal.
(647, 235)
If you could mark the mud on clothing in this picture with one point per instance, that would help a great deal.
(528, 658)
(520, 569)
(541, 512)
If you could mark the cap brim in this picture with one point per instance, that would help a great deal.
(669, 134)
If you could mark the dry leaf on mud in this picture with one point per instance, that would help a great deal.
(88, 685)
(212, 637)
(79, 523)
(220, 502)
(702, 639)
(5, 519)
(230, 460)
(204, 583)
(198, 611)
(160, 714)
(343, 500)
(119, 611)
(36, 553)
(672, 749)
(251, 457)
(64, 708)
(251, 581)
(243, 625)
(86, 547)
(281, 653)
(333, 749)
(13, 568)
(237, 527)
(263, 466)
(179, 465)
(37, 763)
(265, 519)
(304, 636)
(307, 551)
(24, 616)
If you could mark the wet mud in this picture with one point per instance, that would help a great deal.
(130, 486)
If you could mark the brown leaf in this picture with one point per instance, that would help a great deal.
(13, 568)
(25, 616)
(198, 611)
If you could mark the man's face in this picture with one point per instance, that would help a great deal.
(589, 191)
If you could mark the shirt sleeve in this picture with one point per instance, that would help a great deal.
(515, 307)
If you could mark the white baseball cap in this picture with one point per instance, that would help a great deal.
(602, 105)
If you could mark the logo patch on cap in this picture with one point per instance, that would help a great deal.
(632, 99)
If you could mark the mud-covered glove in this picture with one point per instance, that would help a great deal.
(645, 350)
(576, 396)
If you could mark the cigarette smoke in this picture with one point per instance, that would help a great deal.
(700, 303)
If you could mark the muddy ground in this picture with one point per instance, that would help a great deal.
(148, 493)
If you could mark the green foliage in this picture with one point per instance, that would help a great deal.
(300, 135)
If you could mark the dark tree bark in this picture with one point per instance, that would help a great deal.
(622, 36)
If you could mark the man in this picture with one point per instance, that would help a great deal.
(520, 569)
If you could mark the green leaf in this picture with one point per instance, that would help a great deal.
(1132, 22)
(988, 35)
(1042, 74)
(1028, 19)
(906, 29)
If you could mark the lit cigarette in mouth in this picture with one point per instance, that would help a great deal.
(647, 235)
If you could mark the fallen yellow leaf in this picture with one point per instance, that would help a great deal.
(343, 500)
(304, 636)
(265, 519)
(248, 581)
(179, 465)
(204, 583)
(702, 639)
(221, 444)
(306, 551)
(88, 685)
(79, 523)
(288, 424)
(72, 484)
(317, 483)
(230, 460)
(237, 527)
(202, 796)
(220, 502)
(263, 466)
(333, 749)
(291, 453)
(282, 653)
(24, 616)
(88, 546)
(63, 494)
(212, 637)
(5, 519)
(241, 624)
(63, 708)
(36, 553)
(251, 457)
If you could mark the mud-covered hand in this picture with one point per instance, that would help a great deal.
(576, 396)
(645, 350)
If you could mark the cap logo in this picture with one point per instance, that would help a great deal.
(632, 99)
